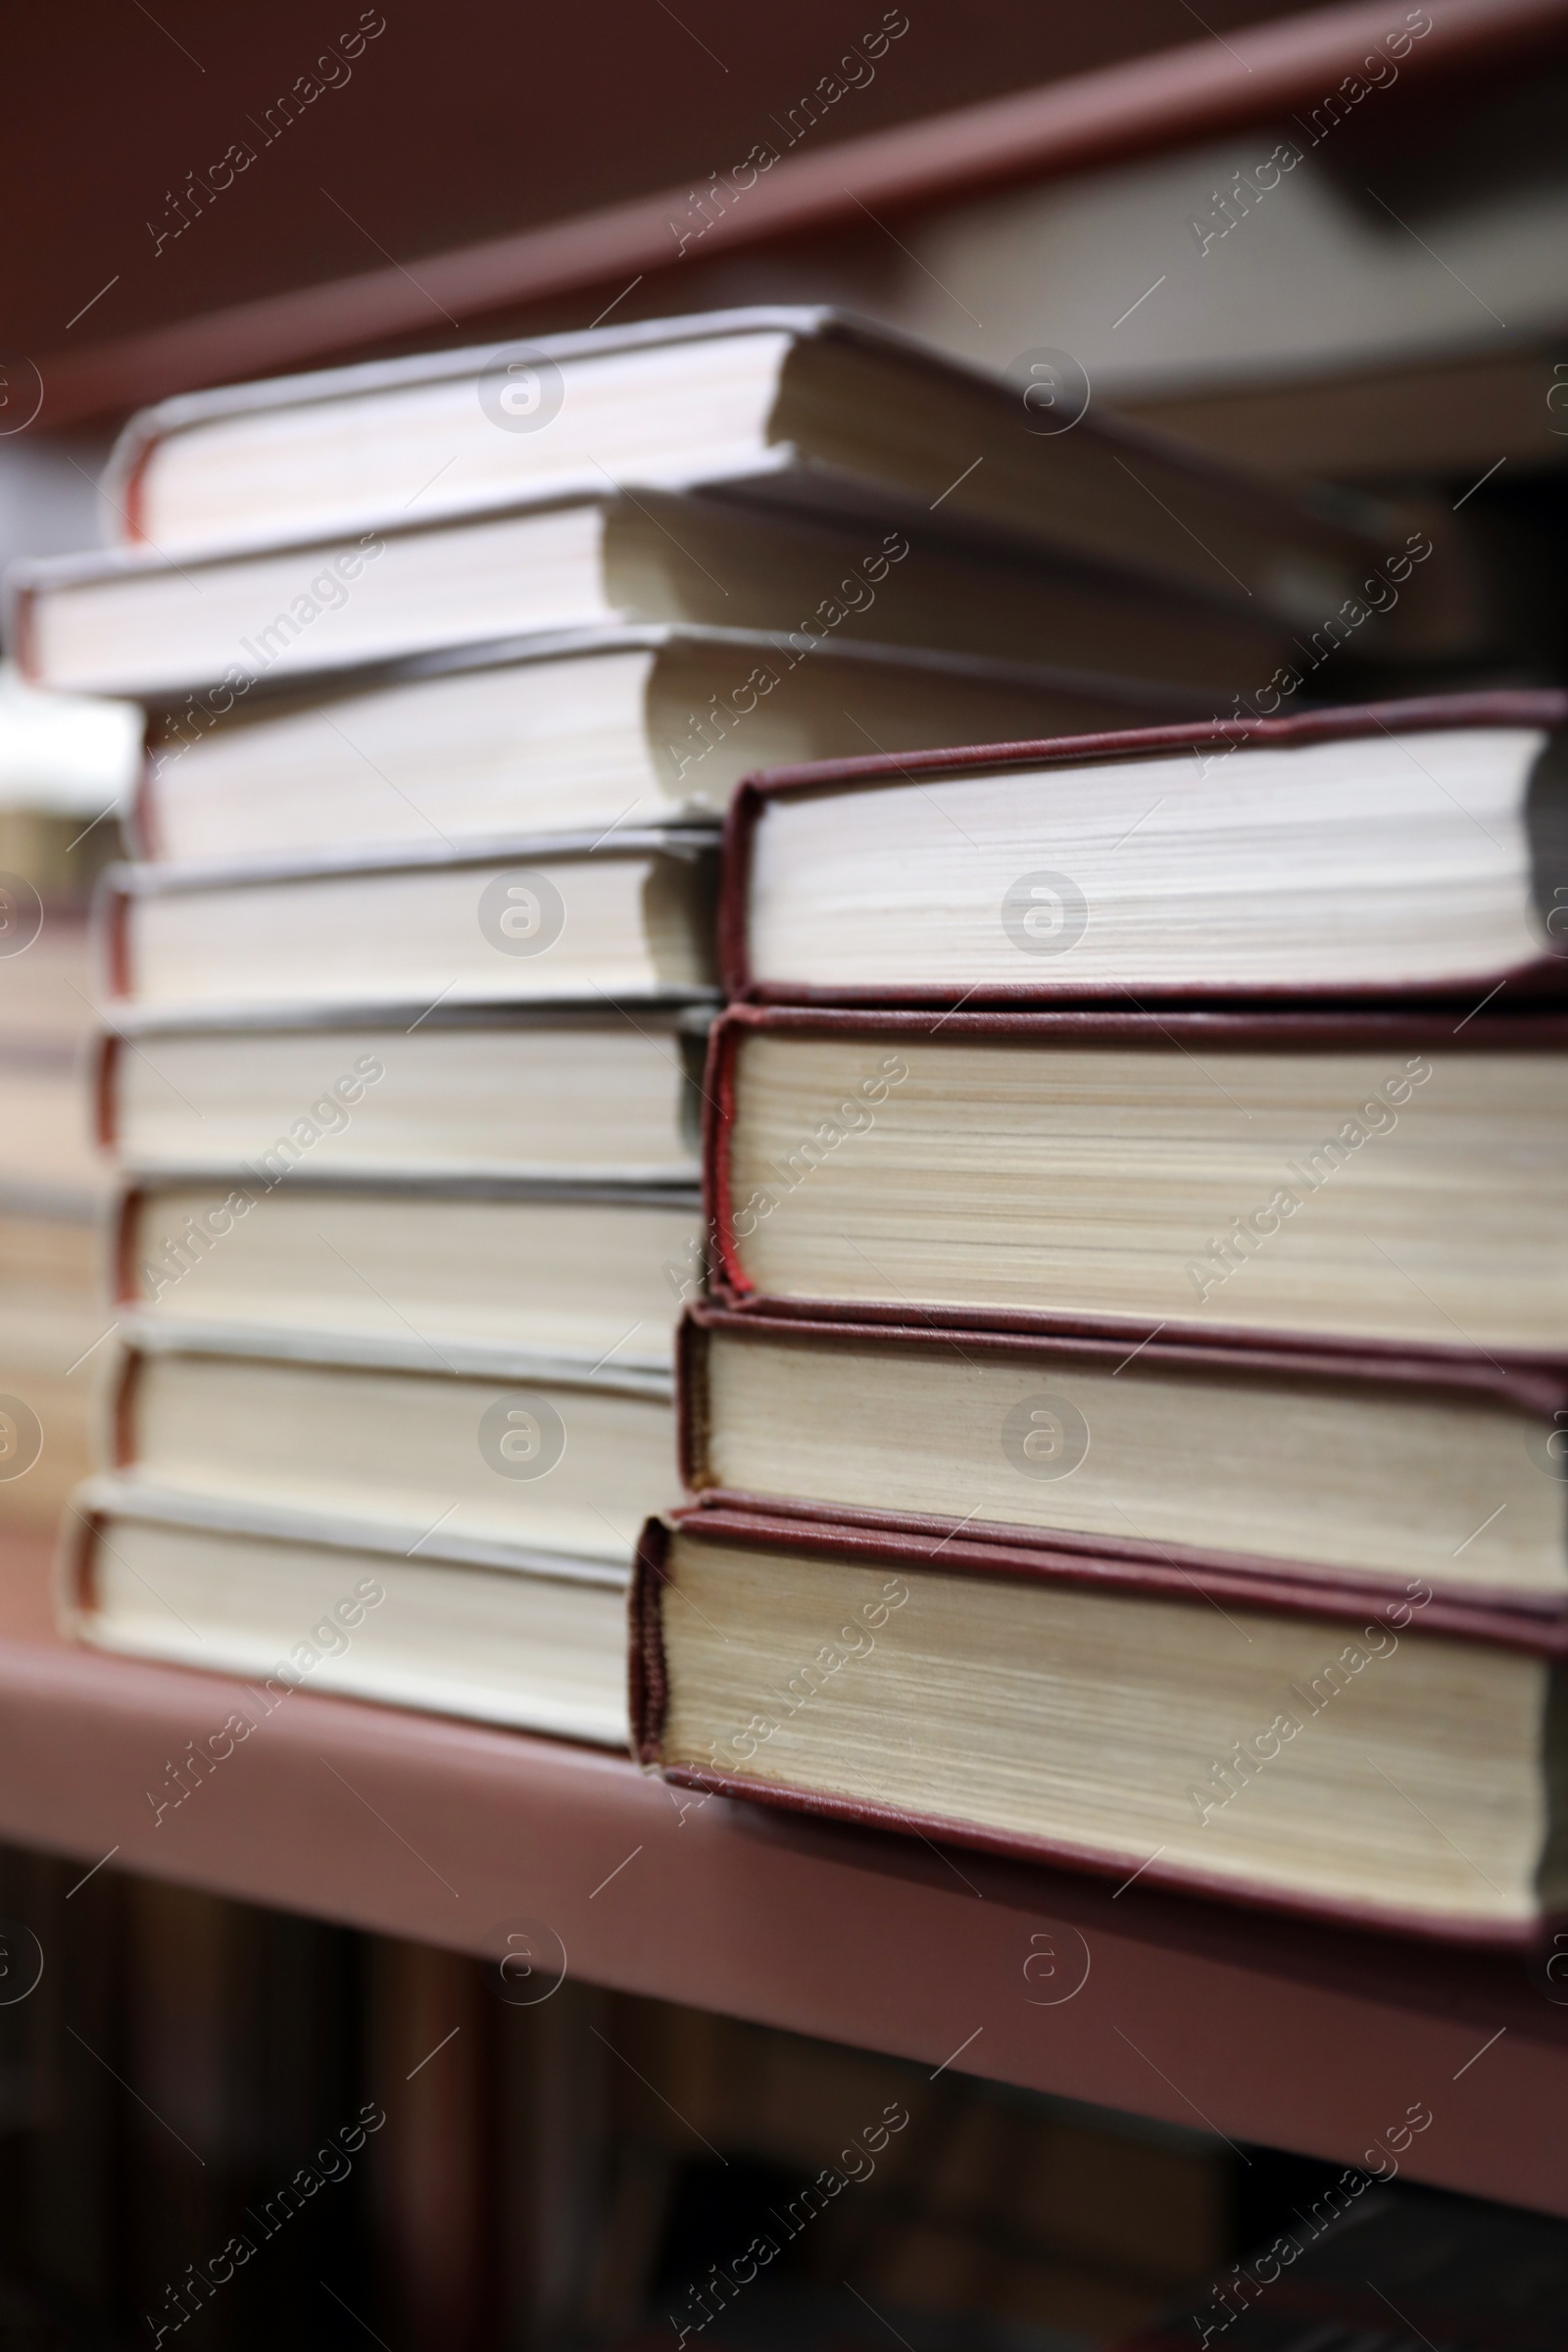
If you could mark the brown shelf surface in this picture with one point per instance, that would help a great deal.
(451, 1832)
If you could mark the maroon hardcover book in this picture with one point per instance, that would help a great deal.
(1201, 1038)
(1533, 1391)
(1049, 974)
(747, 1768)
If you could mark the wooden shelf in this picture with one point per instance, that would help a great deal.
(1120, 107)
(442, 1831)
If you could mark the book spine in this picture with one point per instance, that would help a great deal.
(648, 1677)
(691, 1403)
(740, 830)
(110, 912)
(140, 817)
(103, 1088)
(726, 1277)
(22, 630)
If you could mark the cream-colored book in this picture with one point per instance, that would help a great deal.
(597, 728)
(546, 1093)
(295, 1602)
(800, 407)
(563, 918)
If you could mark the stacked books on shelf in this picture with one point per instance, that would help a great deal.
(1130, 1423)
(53, 1195)
(449, 668)
(64, 766)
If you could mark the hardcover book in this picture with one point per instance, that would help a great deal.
(1230, 1462)
(558, 916)
(1390, 1179)
(568, 730)
(493, 1446)
(584, 1274)
(1390, 849)
(296, 1601)
(409, 1092)
(1391, 1762)
(151, 627)
(804, 408)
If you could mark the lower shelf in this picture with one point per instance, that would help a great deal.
(460, 1835)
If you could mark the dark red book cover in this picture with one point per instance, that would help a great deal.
(1546, 708)
(1542, 1030)
(1041, 1561)
(1536, 1390)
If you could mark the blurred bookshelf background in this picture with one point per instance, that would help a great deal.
(570, 2170)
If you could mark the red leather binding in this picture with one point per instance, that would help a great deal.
(647, 1690)
(1535, 1389)
(1272, 1588)
(650, 1698)
(133, 500)
(111, 905)
(70, 1579)
(124, 1289)
(1506, 707)
(691, 1383)
(103, 1088)
(1534, 1385)
(1542, 1030)
(140, 817)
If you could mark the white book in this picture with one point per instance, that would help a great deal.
(153, 626)
(585, 729)
(622, 920)
(801, 407)
(491, 1444)
(304, 1601)
(581, 1274)
(549, 1095)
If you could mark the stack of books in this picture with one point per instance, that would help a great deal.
(1129, 1424)
(449, 668)
(64, 766)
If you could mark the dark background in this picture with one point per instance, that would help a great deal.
(460, 123)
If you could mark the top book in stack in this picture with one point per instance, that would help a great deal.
(1382, 851)
(356, 516)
